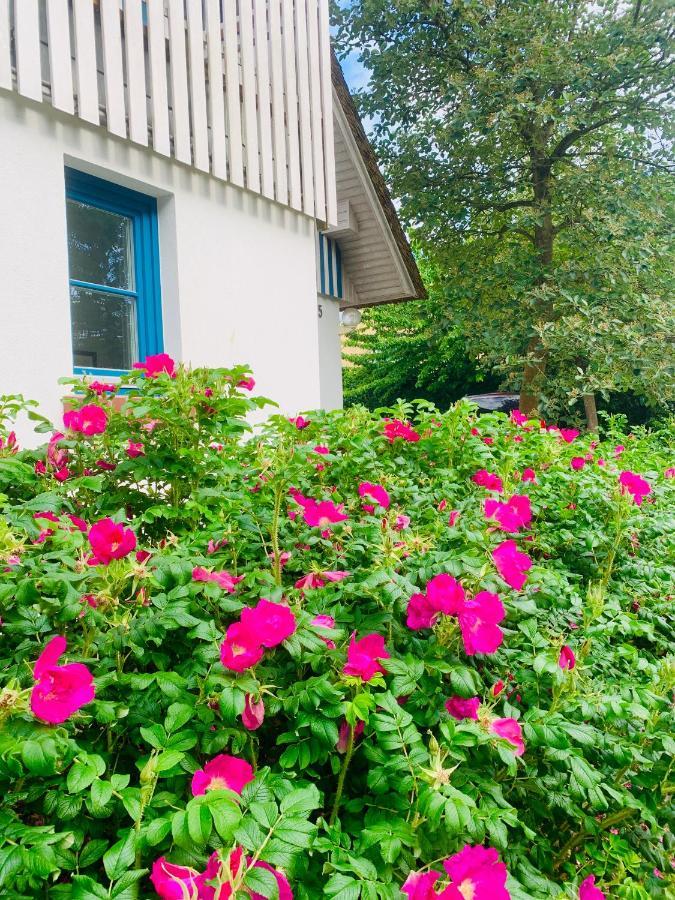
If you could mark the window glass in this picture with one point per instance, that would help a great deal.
(100, 246)
(104, 329)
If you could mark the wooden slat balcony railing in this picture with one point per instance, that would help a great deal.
(240, 89)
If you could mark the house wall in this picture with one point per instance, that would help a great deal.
(238, 271)
(330, 353)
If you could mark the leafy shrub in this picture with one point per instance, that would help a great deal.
(402, 696)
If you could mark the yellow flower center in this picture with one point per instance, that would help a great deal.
(467, 890)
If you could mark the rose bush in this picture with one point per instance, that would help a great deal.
(344, 655)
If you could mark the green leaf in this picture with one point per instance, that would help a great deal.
(199, 823)
(40, 757)
(91, 852)
(301, 800)
(157, 830)
(262, 881)
(120, 857)
(177, 715)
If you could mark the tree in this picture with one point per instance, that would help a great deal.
(407, 351)
(528, 142)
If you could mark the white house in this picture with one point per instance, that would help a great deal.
(187, 176)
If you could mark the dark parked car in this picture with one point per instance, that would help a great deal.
(498, 401)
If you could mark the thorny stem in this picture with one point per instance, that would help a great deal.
(278, 495)
(577, 838)
(342, 776)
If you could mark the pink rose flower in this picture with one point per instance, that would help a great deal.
(395, 428)
(402, 522)
(110, 541)
(254, 713)
(479, 623)
(246, 384)
(376, 492)
(173, 882)
(529, 475)
(87, 420)
(59, 691)
(444, 595)
(271, 623)
(241, 649)
(478, 874)
(300, 422)
(588, 890)
(568, 434)
(513, 515)
(567, 659)
(319, 579)
(135, 449)
(634, 485)
(454, 518)
(224, 580)
(99, 388)
(363, 655)
(509, 730)
(343, 735)
(488, 480)
(460, 708)
(518, 418)
(222, 773)
(511, 564)
(421, 886)
(324, 621)
(323, 514)
(577, 463)
(158, 364)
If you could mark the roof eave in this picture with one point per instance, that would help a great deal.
(380, 188)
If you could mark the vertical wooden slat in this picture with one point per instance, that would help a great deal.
(304, 103)
(234, 139)
(58, 30)
(327, 113)
(27, 38)
(85, 61)
(135, 56)
(179, 85)
(250, 113)
(200, 128)
(291, 91)
(158, 87)
(5, 57)
(264, 102)
(216, 90)
(113, 73)
(315, 103)
(278, 111)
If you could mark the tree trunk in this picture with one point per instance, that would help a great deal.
(591, 412)
(534, 371)
(532, 375)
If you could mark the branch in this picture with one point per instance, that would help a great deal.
(502, 207)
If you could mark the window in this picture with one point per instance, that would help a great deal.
(113, 259)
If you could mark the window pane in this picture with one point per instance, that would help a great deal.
(100, 247)
(104, 329)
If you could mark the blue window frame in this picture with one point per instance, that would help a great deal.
(113, 258)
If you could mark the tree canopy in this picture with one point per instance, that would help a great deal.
(529, 143)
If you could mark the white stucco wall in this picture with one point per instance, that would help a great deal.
(330, 353)
(238, 271)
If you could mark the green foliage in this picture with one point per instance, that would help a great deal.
(410, 350)
(89, 805)
(529, 143)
